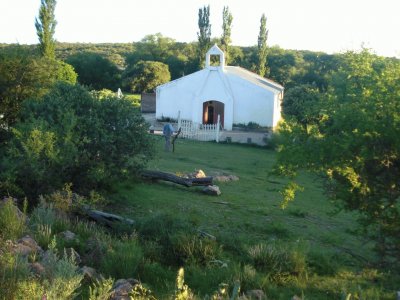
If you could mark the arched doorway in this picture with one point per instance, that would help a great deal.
(211, 110)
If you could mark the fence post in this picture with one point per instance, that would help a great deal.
(179, 119)
(217, 131)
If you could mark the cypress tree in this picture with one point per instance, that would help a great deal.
(45, 28)
(226, 31)
(262, 47)
(204, 34)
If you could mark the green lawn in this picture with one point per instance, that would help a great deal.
(247, 213)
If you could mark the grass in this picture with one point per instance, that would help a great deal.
(249, 208)
(241, 238)
(247, 214)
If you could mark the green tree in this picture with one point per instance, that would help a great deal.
(204, 34)
(356, 146)
(69, 136)
(285, 66)
(95, 71)
(45, 28)
(145, 76)
(262, 47)
(302, 103)
(226, 32)
(23, 75)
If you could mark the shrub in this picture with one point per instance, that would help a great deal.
(101, 290)
(182, 291)
(30, 289)
(71, 137)
(62, 278)
(12, 220)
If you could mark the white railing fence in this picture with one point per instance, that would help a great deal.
(200, 132)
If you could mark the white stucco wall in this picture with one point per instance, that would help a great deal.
(243, 100)
(252, 103)
(178, 96)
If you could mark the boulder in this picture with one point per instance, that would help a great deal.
(22, 250)
(121, 290)
(68, 235)
(226, 178)
(72, 253)
(212, 190)
(26, 246)
(89, 273)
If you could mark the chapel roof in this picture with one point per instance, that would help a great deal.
(253, 78)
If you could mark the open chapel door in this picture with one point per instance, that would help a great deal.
(211, 110)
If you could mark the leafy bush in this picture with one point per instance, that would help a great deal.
(71, 137)
(12, 221)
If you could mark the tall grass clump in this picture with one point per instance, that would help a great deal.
(122, 258)
(193, 249)
(12, 220)
(13, 269)
(280, 262)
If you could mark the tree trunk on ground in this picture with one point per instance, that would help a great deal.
(188, 182)
(106, 218)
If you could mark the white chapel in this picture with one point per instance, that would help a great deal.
(237, 95)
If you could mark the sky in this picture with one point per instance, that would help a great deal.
(330, 26)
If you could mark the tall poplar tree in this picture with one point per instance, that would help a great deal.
(262, 47)
(45, 28)
(204, 34)
(226, 31)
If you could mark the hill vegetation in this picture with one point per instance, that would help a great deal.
(69, 147)
(241, 238)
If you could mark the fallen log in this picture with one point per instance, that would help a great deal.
(188, 182)
(106, 218)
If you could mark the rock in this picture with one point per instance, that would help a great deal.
(133, 281)
(89, 273)
(72, 253)
(199, 174)
(212, 190)
(22, 250)
(30, 242)
(196, 174)
(37, 268)
(225, 178)
(256, 294)
(26, 246)
(68, 235)
(121, 290)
